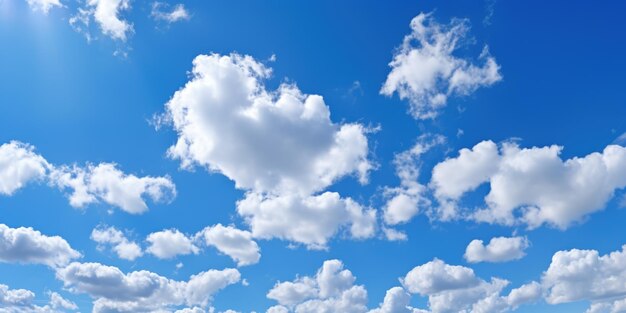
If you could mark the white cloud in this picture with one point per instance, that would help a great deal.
(26, 245)
(404, 202)
(579, 275)
(280, 146)
(142, 291)
(534, 182)
(169, 243)
(310, 220)
(425, 71)
(107, 14)
(235, 243)
(331, 290)
(452, 288)
(19, 165)
(22, 301)
(278, 142)
(124, 248)
(104, 182)
(43, 5)
(160, 12)
(499, 249)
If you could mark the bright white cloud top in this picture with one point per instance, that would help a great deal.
(235, 243)
(535, 182)
(169, 243)
(281, 147)
(107, 14)
(110, 236)
(19, 165)
(26, 245)
(425, 71)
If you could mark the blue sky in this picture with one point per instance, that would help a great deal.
(175, 157)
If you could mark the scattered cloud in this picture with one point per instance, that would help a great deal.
(23, 301)
(499, 249)
(425, 71)
(104, 182)
(142, 291)
(43, 5)
(19, 165)
(26, 245)
(113, 237)
(107, 14)
(535, 182)
(161, 12)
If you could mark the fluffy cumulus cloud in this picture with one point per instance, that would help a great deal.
(110, 236)
(142, 291)
(425, 71)
(405, 201)
(499, 249)
(107, 14)
(43, 5)
(331, 290)
(169, 243)
(309, 220)
(532, 186)
(19, 165)
(26, 245)
(23, 301)
(105, 182)
(452, 288)
(585, 275)
(162, 12)
(280, 146)
(396, 301)
(235, 243)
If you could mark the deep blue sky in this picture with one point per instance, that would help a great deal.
(562, 64)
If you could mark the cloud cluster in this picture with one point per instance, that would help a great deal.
(19, 165)
(107, 14)
(453, 288)
(425, 71)
(23, 301)
(26, 245)
(331, 290)
(499, 249)
(531, 186)
(280, 146)
(142, 291)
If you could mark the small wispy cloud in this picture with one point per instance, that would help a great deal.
(163, 12)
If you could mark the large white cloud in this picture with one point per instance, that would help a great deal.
(453, 288)
(331, 290)
(278, 142)
(124, 248)
(533, 186)
(169, 243)
(310, 220)
(26, 245)
(19, 165)
(425, 71)
(280, 146)
(499, 249)
(237, 244)
(142, 291)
